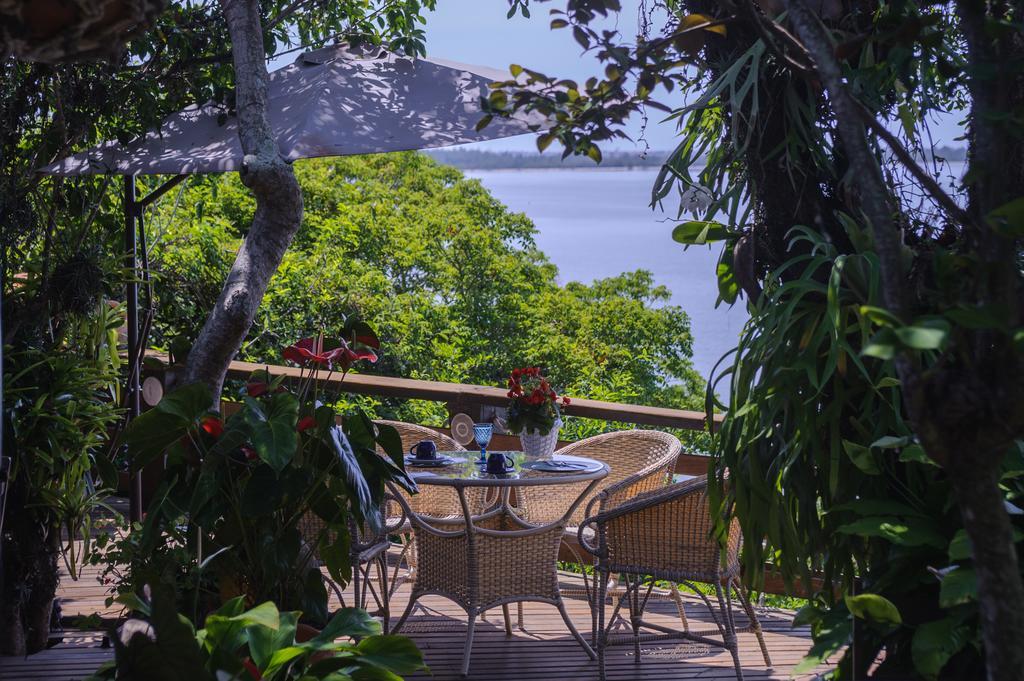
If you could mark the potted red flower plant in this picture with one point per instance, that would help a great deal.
(534, 411)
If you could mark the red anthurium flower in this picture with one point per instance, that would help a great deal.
(212, 425)
(305, 424)
(311, 351)
(253, 670)
(256, 388)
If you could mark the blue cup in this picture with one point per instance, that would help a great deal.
(498, 463)
(425, 450)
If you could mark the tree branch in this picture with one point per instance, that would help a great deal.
(874, 194)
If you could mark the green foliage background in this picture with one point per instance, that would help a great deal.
(452, 281)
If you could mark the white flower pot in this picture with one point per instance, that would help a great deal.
(537, 446)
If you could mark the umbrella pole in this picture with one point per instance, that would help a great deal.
(131, 213)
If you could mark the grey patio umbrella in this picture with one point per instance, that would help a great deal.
(335, 101)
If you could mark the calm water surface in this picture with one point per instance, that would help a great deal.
(597, 223)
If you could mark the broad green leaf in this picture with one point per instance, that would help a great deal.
(935, 642)
(915, 452)
(905, 532)
(861, 457)
(397, 654)
(272, 425)
(959, 586)
(874, 608)
(348, 622)
(832, 635)
(1008, 219)
(698, 232)
(921, 337)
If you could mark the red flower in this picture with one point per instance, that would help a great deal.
(566, 401)
(305, 424)
(311, 351)
(253, 670)
(212, 425)
(256, 388)
(250, 453)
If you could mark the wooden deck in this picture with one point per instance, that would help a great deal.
(543, 650)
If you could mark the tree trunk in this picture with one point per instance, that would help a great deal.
(972, 462)
(278, 205)
(28, 577)
(1000, 592)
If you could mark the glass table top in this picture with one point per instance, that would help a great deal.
(467, 471)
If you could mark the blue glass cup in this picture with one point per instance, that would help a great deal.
(482, 433)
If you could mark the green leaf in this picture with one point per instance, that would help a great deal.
(959, 546)
(874, 608)
(959, 586)
(905, 532)
(915, 453)
(133, 603)
(397, 654)
(921, 337)
(1008, 219)
(890, 442)
(272, 424)
(699, 232)
(935, 642)
(883, 345)
(350, 622)
(861, 457)
(831, 636)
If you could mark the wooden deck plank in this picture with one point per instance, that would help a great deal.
(543, 650)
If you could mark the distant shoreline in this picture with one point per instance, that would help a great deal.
(473, 159)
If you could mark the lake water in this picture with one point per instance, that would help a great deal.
(596, 223)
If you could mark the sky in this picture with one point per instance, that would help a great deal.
(477, 32)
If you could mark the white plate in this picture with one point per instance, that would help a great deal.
(462, 429)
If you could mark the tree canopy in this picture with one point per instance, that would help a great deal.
(452, 281)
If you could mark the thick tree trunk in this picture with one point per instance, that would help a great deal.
(278, 205)
(973, 462)
(29, 577)
(1000, 592)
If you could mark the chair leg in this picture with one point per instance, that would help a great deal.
(678, 600)
(519, 615)
(633, 593)
(385, 600)
(729, 630)
(755, 623)
(574, 631)
(468, 649)
(600, 635)
(358, 598)
(508, 619)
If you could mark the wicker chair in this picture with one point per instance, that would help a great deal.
(644, 457)
(494, 559)
(367, 550)
(640, 460)
(665, 535)
(434, 502)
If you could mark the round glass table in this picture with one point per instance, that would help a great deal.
(490, 555)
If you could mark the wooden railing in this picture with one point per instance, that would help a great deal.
(468, 399)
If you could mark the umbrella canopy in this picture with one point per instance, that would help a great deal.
(330, 102)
